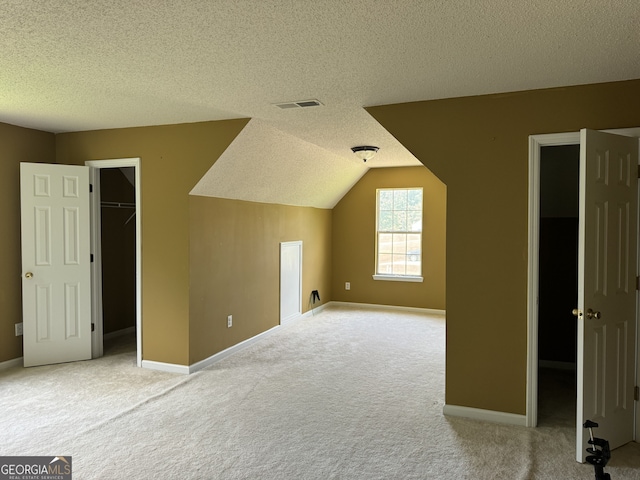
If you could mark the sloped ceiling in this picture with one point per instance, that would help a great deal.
(73, 65)
(266, 165)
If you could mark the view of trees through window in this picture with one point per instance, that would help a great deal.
(399, 232)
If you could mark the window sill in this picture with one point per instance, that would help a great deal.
(398, 278)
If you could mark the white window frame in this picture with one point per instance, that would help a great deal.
(398, 277)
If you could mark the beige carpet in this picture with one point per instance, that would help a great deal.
(346, 394)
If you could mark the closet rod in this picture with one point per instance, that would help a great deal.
(118, 204)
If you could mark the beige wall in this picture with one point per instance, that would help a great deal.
(16, 145)
(235, 267)
(173, 159)
(478, 146)
(354, 227)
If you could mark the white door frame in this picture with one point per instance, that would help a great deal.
(96, 248)
(536, 142)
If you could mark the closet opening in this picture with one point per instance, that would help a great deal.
(116, 249)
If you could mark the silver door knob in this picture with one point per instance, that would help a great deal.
(28, 275)
(576, 312)
(593, 314)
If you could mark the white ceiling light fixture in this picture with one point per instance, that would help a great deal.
(365, 152)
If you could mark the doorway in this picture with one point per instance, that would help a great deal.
(116, 249)
(536, 144)
(290, 281)
(558, 283)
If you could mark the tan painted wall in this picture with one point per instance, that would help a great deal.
(235, 267)
(354, 224)
(173, 159)
(16, 145)
(478, 146)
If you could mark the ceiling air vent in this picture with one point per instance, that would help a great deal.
(299, 104)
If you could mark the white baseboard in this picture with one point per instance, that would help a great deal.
(239, 346)
(291, 319)
(428, 311)
(485, 415)
(230, 351)
(165, 367)
(311, 312)
(14, 362)
(184, 369)
(118, 333)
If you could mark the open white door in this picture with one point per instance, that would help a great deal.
(607, 252)
(56, 282)
(290, 281)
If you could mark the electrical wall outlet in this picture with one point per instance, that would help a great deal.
(229, 321)
(347, 285)
(18, 329)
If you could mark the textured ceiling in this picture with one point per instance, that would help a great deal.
(303, 173)
(74, 65)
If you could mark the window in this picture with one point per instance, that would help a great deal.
(399, 234)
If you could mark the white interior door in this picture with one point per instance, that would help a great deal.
(56, 282)
(607, 251)
(290, 281)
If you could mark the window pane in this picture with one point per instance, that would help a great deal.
(385, 199)
(414, 242)
(414, 220)
(385, 243)
(385, 221)
(399, 237)
(413, 268)
(414, 199)
(384, 264)
(414, 254)
(399, 199)
(400, 243)
(399, 264)
(399, 221)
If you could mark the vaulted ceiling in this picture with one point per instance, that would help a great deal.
(74, 65)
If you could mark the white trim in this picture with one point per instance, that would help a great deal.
(427, 311)
(313, 311)
(95, 225)
(485, 415)
(186, 370)
(291, 319)
(14, 362)
(217, 357)
(535, 143)
(165, 367)
(229, 351)
(183, 369)
(119, 333)
(97, 251)
(398, 278)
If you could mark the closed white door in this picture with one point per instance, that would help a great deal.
(290, 281)
(56, 288)
(607, 259)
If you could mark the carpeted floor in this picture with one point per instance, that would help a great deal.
(346, 394)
